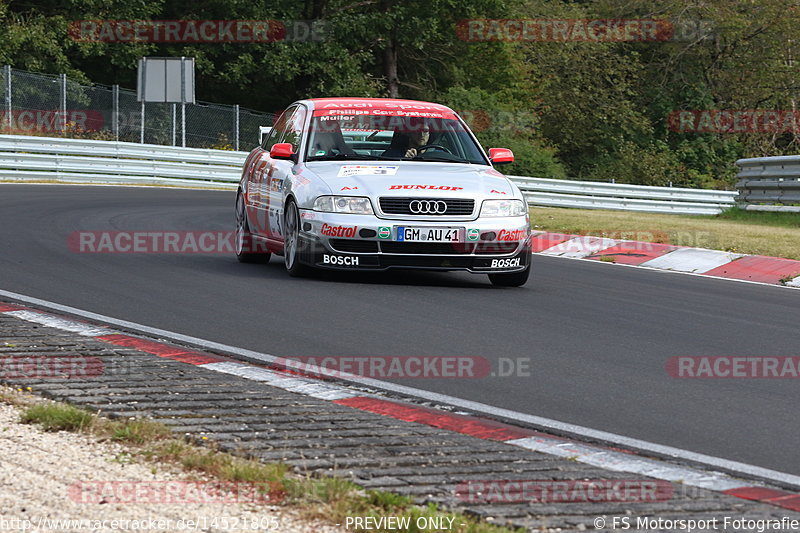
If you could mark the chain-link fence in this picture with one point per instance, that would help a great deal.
(53, 105)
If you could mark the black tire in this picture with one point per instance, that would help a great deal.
(291, 243)
(243, 239)
(513, 279)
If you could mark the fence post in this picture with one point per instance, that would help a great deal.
(141, 132)
(115, 111)
(236, 127)
(173, 123)
(7, 74)
(63, 85)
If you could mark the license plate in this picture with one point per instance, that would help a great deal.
(422, 234)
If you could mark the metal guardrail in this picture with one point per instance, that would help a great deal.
(25, 158)
(769, 183)
(596, 195)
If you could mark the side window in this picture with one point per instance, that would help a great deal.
(294, 128)
(278, 129)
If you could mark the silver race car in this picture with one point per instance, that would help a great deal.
(373, 184)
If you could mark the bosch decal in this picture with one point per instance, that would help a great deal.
(339, 260)
(506, 263)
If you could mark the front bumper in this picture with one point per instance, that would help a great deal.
(346, 242)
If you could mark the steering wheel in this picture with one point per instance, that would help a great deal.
(426, 146)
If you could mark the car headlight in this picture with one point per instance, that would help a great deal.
(355, 205)
(503, 208)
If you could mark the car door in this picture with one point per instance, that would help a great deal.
(279, 170)
(257, 199)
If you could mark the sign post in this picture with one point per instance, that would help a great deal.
(166, 80)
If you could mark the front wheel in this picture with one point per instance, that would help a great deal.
(291, 241)
(513, 279)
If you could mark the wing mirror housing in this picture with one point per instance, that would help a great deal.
(282, 151)
(501, 156)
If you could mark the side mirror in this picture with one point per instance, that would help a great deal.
(282, 151)
(500, 156)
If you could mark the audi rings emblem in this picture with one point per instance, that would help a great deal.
(428, 207)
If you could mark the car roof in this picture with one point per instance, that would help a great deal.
(377, 103)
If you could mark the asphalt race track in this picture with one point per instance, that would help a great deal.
(597, 336)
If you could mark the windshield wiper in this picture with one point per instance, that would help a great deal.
(440, 159)
(354, 157)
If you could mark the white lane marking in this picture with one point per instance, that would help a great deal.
(696, 260)
(580, 246)
(314, 388)
(87, 330)
(477, 407)
(623, 462)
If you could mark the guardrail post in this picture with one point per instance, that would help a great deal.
(236, 127)
(115, 111)
(63, 85)
(7, 76)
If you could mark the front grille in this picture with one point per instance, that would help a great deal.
(354, 246)
(402, 206)
(418, 248)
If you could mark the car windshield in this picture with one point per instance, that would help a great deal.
(395, 138)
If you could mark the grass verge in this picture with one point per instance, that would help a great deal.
(329, 499)
(747, 232)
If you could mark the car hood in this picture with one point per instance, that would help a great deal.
(412, 178)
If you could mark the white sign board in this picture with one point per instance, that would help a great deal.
(161, 80)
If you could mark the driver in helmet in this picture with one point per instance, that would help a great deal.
(407, 139)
